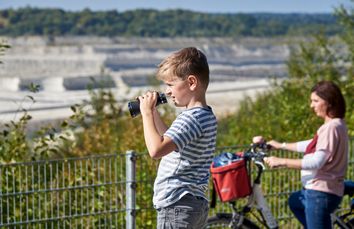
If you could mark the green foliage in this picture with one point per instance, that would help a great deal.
(153, 23)
(16, 146)
(13, 142)
(284, 112)
(34, 88)
(101, 126)
(3, 47)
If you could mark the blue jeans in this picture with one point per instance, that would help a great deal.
(189, 212)
(313, 208)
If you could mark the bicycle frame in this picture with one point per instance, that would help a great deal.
(257, 200)
(337, 220)
(345, 221)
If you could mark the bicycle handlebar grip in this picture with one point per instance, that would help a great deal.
(263, 146)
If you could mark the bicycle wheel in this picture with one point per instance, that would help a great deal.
(346, 221)
(350, 223)
(223, 221)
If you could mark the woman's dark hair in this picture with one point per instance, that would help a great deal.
(330, 92)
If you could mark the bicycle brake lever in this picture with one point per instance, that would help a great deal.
(257, 162)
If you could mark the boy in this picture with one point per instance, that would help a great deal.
(187, 147)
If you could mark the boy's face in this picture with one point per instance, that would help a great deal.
(179, 91)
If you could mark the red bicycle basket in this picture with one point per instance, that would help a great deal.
(231, 181)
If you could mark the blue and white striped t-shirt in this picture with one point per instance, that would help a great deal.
(186, 170)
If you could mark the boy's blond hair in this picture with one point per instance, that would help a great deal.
(185, 62)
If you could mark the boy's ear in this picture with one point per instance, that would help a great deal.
(192, 81)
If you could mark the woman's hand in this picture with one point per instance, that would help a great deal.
(258, 139)
(274, 144)
(275, 162)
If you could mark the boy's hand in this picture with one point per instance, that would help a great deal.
(148, 102)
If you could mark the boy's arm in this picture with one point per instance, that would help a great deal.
(157, 145)
(160, 125)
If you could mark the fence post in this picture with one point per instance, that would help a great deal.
(130, 188)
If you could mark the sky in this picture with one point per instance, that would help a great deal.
(209, 6)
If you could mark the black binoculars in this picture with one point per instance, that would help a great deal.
(134, 106)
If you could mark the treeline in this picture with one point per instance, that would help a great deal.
(153, 23)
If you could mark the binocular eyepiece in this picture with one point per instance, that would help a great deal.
(134, 106)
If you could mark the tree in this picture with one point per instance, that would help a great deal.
(284, 112)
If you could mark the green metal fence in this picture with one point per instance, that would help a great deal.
(64, 193)
(109, 191)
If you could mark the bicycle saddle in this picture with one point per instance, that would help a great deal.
(349, 187)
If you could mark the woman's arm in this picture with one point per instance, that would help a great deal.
(284, 145)
(310, 162)
(276, 144)
(302, 145)
(275, 162)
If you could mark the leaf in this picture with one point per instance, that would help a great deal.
(32, 87)
(73, 108)
(63, 138)
(51, 136)
(31, 98)
(64, 124)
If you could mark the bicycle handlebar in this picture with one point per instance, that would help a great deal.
(257, 151)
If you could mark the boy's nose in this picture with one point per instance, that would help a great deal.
(168, 91)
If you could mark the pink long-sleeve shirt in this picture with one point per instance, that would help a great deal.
(333, 143)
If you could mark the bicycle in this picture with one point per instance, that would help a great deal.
(239, 218)
(345, 220)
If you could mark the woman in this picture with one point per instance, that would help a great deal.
(325, 159)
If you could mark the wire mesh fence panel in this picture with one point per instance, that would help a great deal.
(66, 193)
(145, 176)
(91, 192)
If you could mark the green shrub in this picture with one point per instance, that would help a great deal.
(284, 112)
